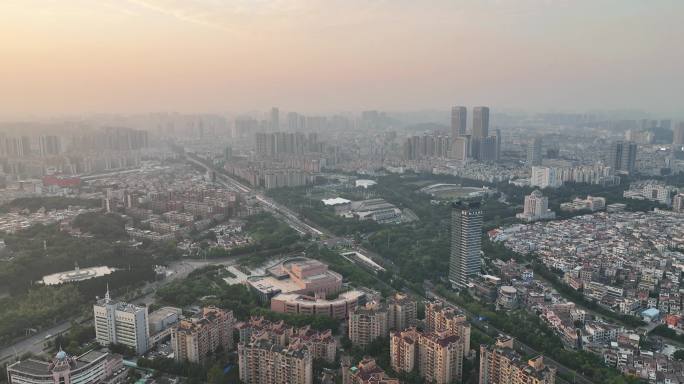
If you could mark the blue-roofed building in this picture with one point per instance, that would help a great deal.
(650, 315)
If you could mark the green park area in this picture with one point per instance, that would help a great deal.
(44, 249)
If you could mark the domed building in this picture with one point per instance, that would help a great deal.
(91, 367)
(61, 366)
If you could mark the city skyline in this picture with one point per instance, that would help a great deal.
(341, 191)
(138, 56)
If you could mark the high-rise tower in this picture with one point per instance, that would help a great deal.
(480, 122)
(459, 117)
(275, 119)
(677, 136)
(534, 152)
(466, 242)
(622, 156)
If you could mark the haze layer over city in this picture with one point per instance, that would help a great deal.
(138, 56)
(355, 192)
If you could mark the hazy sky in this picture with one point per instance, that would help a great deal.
(83, 56)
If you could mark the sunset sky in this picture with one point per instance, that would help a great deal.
(85, 56)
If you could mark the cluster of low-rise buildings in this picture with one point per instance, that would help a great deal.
(167, 202)
(591, 203)
(516, 288)
(618, 346)
(626, 262)
(653, 367)
(52, 184)
(618, 259)
(226, 235)
(13, 222)
(651, 190)
(231, 235)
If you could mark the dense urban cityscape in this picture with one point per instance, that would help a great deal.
(294, 255)
(341, 192)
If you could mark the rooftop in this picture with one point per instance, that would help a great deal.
(31, 366)
(38, 367)
(162, 313)
(342, 297)
(297, 275)
(335, 201)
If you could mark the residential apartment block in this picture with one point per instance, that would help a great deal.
(440, 318)
(321, 344)
(437, 356)
(368, 323)
(501, 364)
(193, 339)
(402, 312)
(262, 362)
